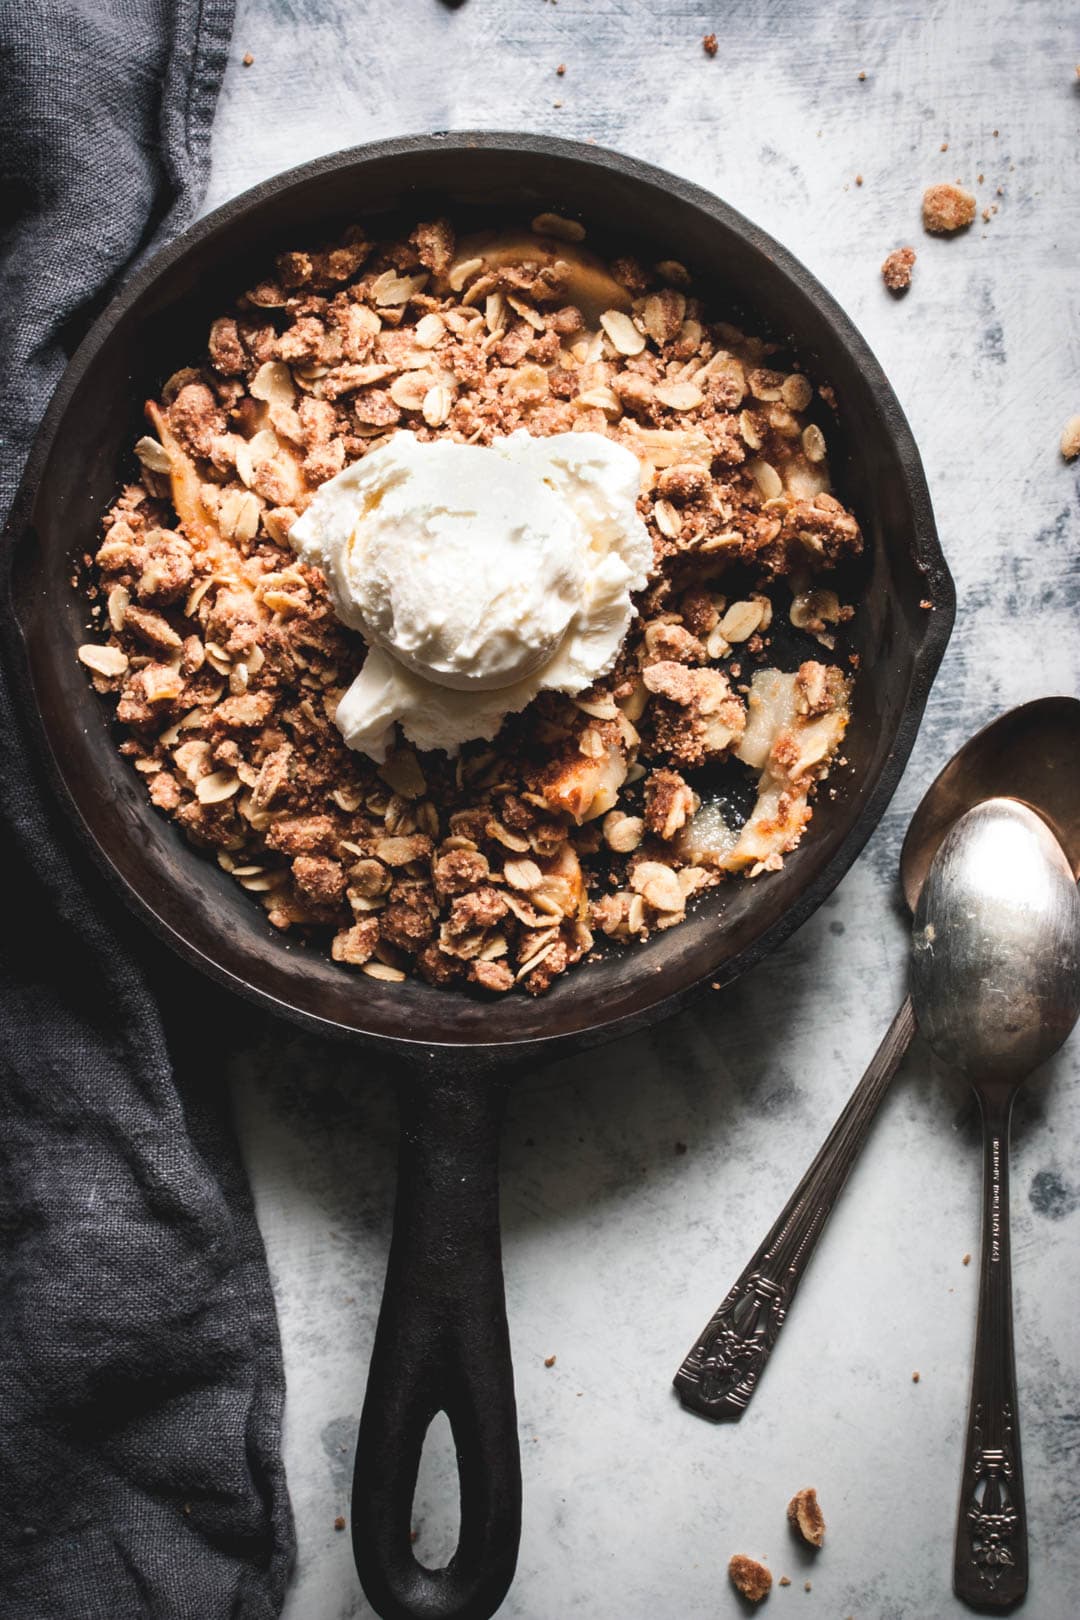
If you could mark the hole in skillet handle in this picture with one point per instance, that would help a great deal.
(441, 1345)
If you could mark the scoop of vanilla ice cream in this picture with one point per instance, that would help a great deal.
(479, 576)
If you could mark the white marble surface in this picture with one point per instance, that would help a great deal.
(616, 1247)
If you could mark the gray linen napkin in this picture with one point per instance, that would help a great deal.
(141, 1384)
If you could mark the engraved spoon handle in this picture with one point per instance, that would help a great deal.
(721, 1371)
(990, 1568)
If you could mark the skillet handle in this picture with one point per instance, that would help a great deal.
(441, 1344)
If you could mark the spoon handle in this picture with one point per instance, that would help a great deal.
(721, 1372)
(990, 1569)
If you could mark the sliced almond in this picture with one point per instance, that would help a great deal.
(273, 383)
(463, 272)
(409, 390)
(437, 404)
(622, 332)
(430, 330)
(217, 787)
(600, 399)
(813, 442)
(679, 396)
(766, 478)
(119, 597)
(153, 455)
(384, 972)
(557, 225)
(741, 620)
(107, 661)
(523, 875)
(391, 290)
(667, 519)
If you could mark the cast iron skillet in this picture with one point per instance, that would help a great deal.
(442, 1340)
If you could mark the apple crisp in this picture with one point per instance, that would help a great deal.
(586, 819)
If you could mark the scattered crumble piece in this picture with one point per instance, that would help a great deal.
(785, 1580)
(749, 1577)
(710, 44)
(915, 1378)
(805, 1515)
(549, 1361)
(966, 1260)
(1070, 438)
(944, 146)
(926, 604)
(561, 69)
(858, 179)
(806, 1586)
(339, 1522)
(897, 269)
(947, 208)
(247, 59)
(981, 179)
(862, 76)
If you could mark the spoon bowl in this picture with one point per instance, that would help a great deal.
(995, 960)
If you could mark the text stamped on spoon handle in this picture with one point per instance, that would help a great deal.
(721, 1372)
(990, 1570)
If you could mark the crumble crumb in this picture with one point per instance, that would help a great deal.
(858, 179)
(1070, 438)
(549, 1361)
(561, 69)
(805, 1515)
(785, 1580)
(947, 208)
(247, 59)
(339, 1522)
(749, 1577)
(806, 1586)
(966, 1261)
(710, 44)
(862, 76)
(915, 1378)
(944, 146)
(896, 271)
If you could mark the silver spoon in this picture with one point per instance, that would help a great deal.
(995, 982)
(1031, 753)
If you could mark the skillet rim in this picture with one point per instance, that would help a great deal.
(928, 648)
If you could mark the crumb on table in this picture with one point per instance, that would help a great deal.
(549, 1361)
(915, 1377)
(805, 1515)
(749, 1577)
(1070, 440)
(339, 1522)
(947, 208)
(710, 44)
(896, 271)
(247, 59)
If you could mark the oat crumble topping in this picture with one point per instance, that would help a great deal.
(587, 819)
